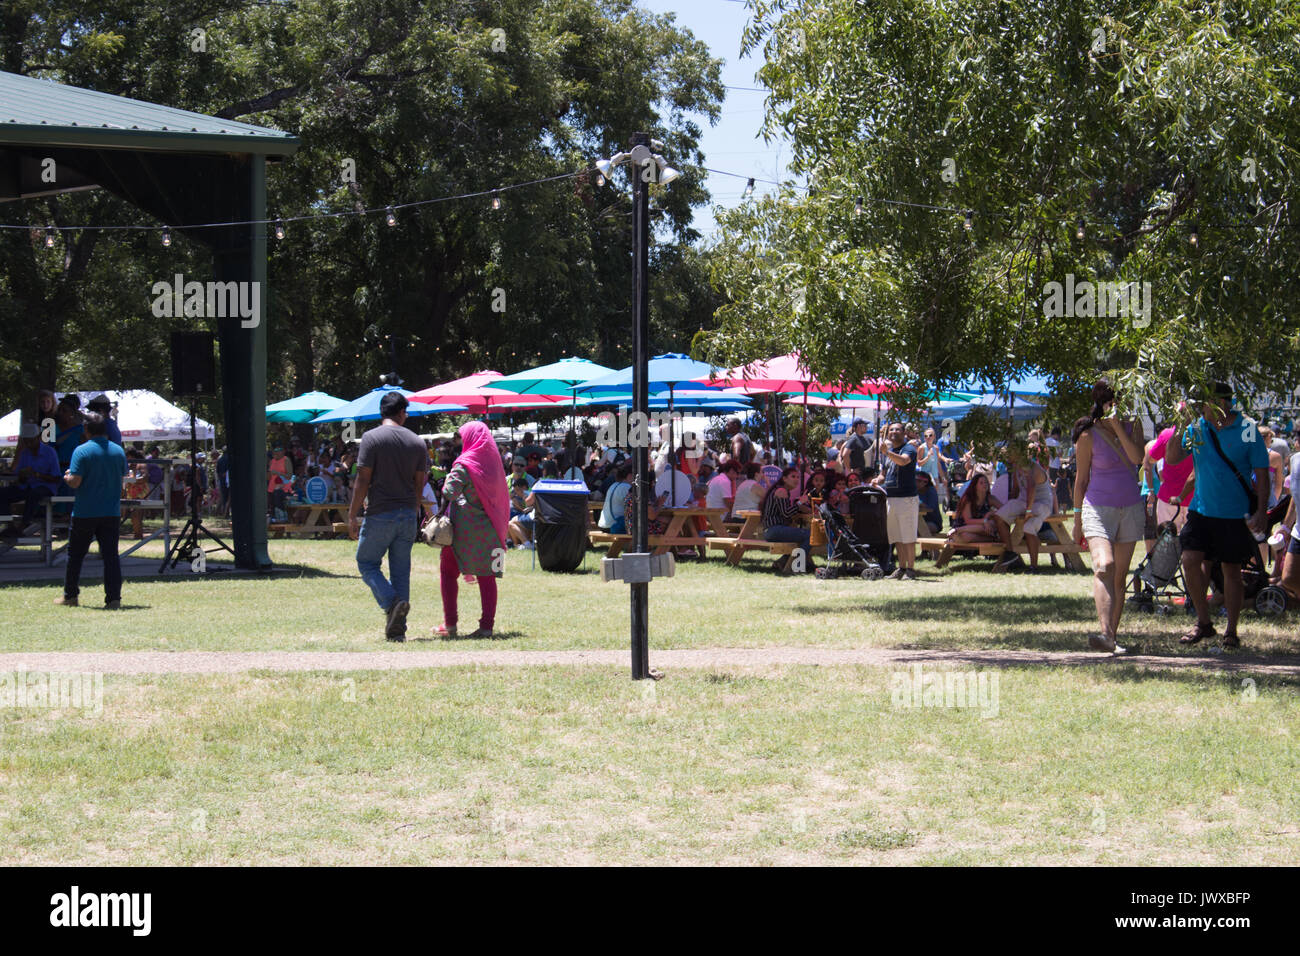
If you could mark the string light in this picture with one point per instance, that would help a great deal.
(970, 220)
(857, 207)
(279, 229)
(50, 234)
(1195, 237)
(390, 216)
(496, 201)
(600, 178)
(1078, 229)
(749, 187)
(166, 236)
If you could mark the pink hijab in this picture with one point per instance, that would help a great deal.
(481, 459)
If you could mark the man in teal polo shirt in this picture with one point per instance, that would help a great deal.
(95, 475)
(1227, 452)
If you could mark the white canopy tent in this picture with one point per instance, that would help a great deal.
(142, 415)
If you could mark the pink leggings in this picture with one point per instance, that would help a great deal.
(487, 589)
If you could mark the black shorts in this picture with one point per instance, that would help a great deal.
(1220, 539)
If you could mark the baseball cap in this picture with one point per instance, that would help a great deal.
(859, 421)
(519, 460)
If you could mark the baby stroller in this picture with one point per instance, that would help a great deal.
(1160, 575)
(1267, 599)
(845, 551)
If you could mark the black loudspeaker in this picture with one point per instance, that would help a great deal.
(194, 370)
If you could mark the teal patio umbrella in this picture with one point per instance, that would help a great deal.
(366, 408)
(303, 408)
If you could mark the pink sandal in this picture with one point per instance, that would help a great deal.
(444, 631)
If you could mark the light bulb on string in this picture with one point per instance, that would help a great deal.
(391, 216)
(496, 201)
(279, 229)
(50, 235)
(857, 207)
(970, 220)
(1078, 229)
(1195, 237)
(600, 178)
(166, 236)
(749, 188)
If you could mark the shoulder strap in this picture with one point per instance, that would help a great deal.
(1241, 480)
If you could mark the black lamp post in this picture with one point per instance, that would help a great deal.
(638, 566)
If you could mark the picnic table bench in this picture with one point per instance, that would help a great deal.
(749, 538)
(680, 533)
(1067, 548)
(317, 521)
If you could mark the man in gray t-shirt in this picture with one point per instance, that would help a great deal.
(391, 468)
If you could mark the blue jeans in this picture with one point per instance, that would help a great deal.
(786, 532)
(392, 533)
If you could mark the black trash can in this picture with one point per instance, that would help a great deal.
(869, 518)
(560, 523)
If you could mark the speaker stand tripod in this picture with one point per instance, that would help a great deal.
(189, 543)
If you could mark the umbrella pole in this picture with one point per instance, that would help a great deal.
(803, 442)
(671, 443)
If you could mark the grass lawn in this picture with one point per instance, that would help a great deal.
(786, 765)
(319, 602)
(771, 764)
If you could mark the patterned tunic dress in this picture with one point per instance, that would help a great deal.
(474, 539)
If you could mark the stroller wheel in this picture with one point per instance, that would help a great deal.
(1270, 601)
(821, 574)
(872, 573)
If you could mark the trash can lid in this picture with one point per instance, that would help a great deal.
(560, 486)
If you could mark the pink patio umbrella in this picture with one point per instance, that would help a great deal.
(477, 394)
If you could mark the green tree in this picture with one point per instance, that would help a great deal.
(1148, 123)
(421, 100)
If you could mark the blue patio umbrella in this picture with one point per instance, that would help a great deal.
(366, 408)
(667, 371)
(303, 408)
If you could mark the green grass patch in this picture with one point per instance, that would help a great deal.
(1102, 764)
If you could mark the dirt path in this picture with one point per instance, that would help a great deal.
(712, 658)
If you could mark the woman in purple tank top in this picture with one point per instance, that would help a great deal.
(1111, 517)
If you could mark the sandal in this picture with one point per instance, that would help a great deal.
(480, 633)
(1231, 640)
(1197, 632)
(444, 632)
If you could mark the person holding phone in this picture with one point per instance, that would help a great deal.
(1111, 518)
(780, 506)
(1226, 448)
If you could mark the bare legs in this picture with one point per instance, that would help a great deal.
(1198, 581)
(1110, 563)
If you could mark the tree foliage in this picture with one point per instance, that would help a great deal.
(424, 100)
(1148, 121)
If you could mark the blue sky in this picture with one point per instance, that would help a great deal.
(734, 144)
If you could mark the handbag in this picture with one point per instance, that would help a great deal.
(437, 531)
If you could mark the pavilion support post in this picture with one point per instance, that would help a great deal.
(243, 375)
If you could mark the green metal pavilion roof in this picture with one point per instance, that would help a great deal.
(45, 113)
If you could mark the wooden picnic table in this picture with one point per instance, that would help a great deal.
(317, 521)
(750, 537)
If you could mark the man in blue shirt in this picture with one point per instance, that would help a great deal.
(37, 470)
(1226, 449)
(95, 475)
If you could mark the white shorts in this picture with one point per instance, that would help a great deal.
(1119, 525)
(1038, 513)
(902, 519)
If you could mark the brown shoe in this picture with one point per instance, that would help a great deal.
(945, 555)
(1231, 640)
(1197, 632)
(65, 601)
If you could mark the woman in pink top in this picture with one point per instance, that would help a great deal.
(1111, 516)
(1176, 483)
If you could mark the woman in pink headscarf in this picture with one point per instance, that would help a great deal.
(475, 490)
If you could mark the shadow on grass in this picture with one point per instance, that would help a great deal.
(464, 640)
(1231, 674)
(291, 571)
